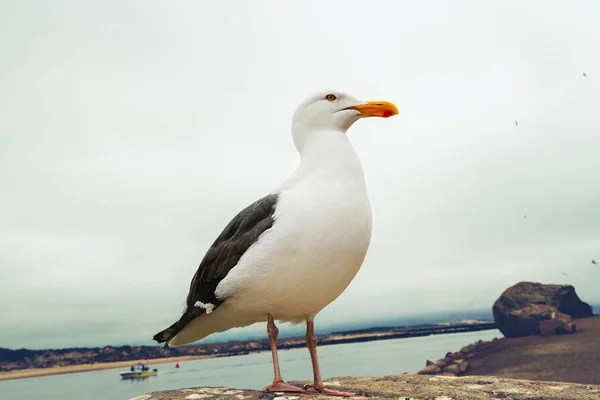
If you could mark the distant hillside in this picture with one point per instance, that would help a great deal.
(24, 358)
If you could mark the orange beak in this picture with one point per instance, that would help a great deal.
(382, 109)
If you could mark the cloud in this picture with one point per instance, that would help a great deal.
(130, 135)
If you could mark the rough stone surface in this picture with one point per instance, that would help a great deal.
(520, 308)
(413, 387)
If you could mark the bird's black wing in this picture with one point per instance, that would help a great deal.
(237, 237)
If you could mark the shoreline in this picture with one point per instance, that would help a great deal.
(284, 344)
(72, 369)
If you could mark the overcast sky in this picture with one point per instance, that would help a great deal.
(132, 131)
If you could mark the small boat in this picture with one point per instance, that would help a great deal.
(138, 371)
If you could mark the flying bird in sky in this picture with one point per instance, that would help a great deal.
(594, 262)
(584, 74)
(288, 255)
(516, 123)
(564, 273)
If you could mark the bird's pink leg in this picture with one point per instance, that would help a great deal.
(317, 386)
(278, 385)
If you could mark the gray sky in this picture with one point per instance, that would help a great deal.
(132, 131)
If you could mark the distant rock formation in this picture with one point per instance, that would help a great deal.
(521, 307)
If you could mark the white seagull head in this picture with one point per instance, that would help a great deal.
(334, 111)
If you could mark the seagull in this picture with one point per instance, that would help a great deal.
(584, 74)
(594, 262)
(516, 123)
(564, 273)
(288, 255)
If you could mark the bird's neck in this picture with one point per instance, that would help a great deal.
(327, 149)
(327, 156)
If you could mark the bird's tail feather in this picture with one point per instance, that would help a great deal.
(166, 335)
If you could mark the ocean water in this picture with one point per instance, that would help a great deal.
(252, 371)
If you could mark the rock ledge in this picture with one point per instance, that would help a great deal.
(413, 387)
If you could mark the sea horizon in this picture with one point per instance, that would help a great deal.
(258, 331)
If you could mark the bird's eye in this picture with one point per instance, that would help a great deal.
(331, 97)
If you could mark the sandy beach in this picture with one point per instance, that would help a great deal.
(70, 369)
(560, 358)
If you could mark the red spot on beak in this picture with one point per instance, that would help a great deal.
(387, 113)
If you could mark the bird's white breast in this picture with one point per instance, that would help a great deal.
(313, 251)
